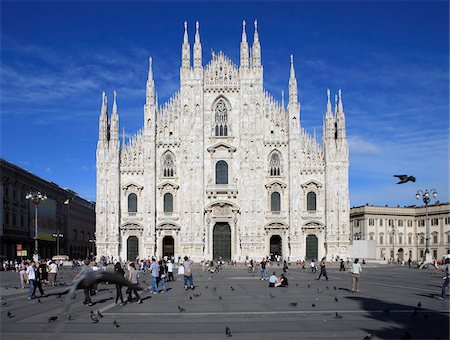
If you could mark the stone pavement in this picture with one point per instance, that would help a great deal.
(385, 306)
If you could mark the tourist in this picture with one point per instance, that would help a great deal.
(187, 264)
(409, 263)
(53, 273)
(39, 275)
(272, 280)
(170, 271)
(154, 268)
(133, 276)
(323, 269)
(356, 271)
(313, 265)
(446, 279)
(162, 275)
(282, 281)
(84, 269)
(31, 274)
(180, 271)
(22, 274)
(119, 271)
(285, 267)
(43, 271)
(263, 269)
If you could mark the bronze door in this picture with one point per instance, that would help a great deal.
(312, 243)
(132, 248)
(222, 241)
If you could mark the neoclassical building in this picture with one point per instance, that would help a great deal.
(222, 169)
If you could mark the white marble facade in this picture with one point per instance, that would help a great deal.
(222, 169)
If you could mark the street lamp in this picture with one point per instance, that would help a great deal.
(92, 242)
(36, 197)
(393, 232)
(426, 197)
(57, 235)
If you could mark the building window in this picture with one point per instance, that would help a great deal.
(168, 164)
(221, 119)
(421, 223)
(391, 239)
(409, 238)
(371, 236)
(371, 222)
(74, 234)
(447, 220)
(275, 164)
(435, 253)
(400, 239)
(400, 223)
(421, 253)
(132, 203)
(391, 223)
(275, 202)
(381, 222)
(6, 218)
(421, 239)
(448, 237)
(168, 203)
(311, 201)
(22, 221)
(410, 223)
(14, 219)
(82, 236)
(221, 172)
(357, 224)
(434, 221)
(381, 238)
(435, 238)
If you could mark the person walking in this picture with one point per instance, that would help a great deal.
(342, 266)
(313, 265)
(263, 269)
(187, 264)
(323, 269)
(170, 271)
(22, 274)
(119, 271)
(31, 274)
(154, 268)
(446, 279)
(356, 271)
(53, 272)
(133, 276)
(85, 269)
(39, 274)
(162, 275)
(285, 267)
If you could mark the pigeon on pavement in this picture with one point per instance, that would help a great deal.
(228, 332)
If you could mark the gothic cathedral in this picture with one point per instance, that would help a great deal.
(222, 169)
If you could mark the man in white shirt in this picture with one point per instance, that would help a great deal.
(272, 280)
(31, 272)
(170, 270)
(53, 272)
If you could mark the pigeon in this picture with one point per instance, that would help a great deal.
(190, 297)
(369, 336)
(296, 285)
(116, 324)
(181, 309)
(293, 304)
(309, 285)
(220, 298)
(406, 335)
(100, 315)
(328, 288)
(338, 316)
(405, 178)
(4, 303)
(9, 315)
(215, 288)
(197, 294)
(271, 295)
(319, 290)
(69, 317)
(206, 287)
(94, 319)
(336, 299)
(39, 300)
(232, 289)
(419, 305)
(335, 288)
(228, 332)
(313, 305)
(52, 319)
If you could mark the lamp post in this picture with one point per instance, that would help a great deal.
(36, 197)
(426, 198)
(92, 242)
(57, 235)
(393, 232)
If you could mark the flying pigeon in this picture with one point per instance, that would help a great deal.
(228, 332)
(405, 178)
(52, 319)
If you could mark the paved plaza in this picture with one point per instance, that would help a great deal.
(239, 300)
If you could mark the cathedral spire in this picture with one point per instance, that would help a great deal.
(197, 48)
(329, 110)
(340, 118)
(340, 106)
(293, 92)
(115, 120)
(282, 99)
(244, 48)
(256, 48)
(186, 50)
(335, 104)
(150, 89)
(103, 123)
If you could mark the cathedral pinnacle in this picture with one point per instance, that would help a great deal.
(256, 48)
(328, 102)
(292, 74)
(115, 102)
(197, 48)
(244, 48)
(293, 92)
(340, 105)
(114, 133)
(185, 38)
(244, 35)
(256, 37)
(186, 50)
(335, 103)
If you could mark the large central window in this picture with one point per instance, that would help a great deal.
(221, 172)
(221, 119)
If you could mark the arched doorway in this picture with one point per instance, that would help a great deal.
(132, 248)
(400, 254)
(312, 250)
(222, 241)
(275, 246)
(168, 246)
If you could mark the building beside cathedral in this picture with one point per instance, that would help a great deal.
(222, 169)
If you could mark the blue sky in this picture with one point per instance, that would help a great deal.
(391, 60)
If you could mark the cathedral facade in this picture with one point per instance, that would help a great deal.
(222, 169)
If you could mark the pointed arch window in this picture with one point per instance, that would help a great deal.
(311, 201)
(168, 203)
(275, 164)
(221, 172)
(168, 164)
(275, 202)
(221, 119)
(132, 203)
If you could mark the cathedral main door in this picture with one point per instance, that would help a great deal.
(132, 248)
(222, 241)
(275, 247)
(312, 250)
(168, 246)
